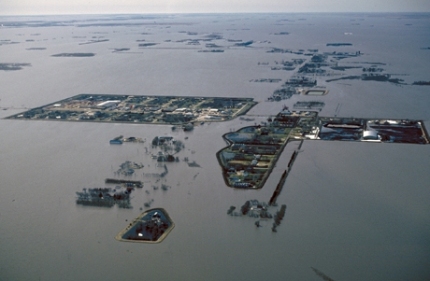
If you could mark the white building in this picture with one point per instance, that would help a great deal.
(371, 135)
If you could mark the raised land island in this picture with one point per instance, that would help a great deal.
(152, 226)
(140, 109)
(253, 151)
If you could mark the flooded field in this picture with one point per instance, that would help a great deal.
(353, 210)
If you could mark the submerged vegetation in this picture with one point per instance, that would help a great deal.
(13, 66)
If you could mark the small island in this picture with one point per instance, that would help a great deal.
(13, 66)
(338, 44)
(152, 226)
(76, 55)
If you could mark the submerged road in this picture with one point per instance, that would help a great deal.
(284, 176)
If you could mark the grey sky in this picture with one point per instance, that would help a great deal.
(29, 7)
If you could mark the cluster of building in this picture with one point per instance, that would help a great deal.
(253, 151)
(140, 109)
(105, 197)
(375, 130)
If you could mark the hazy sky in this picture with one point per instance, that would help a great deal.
(28, 7)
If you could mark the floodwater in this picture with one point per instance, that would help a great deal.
(355, 211)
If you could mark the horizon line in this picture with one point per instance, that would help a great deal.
(217, 13)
